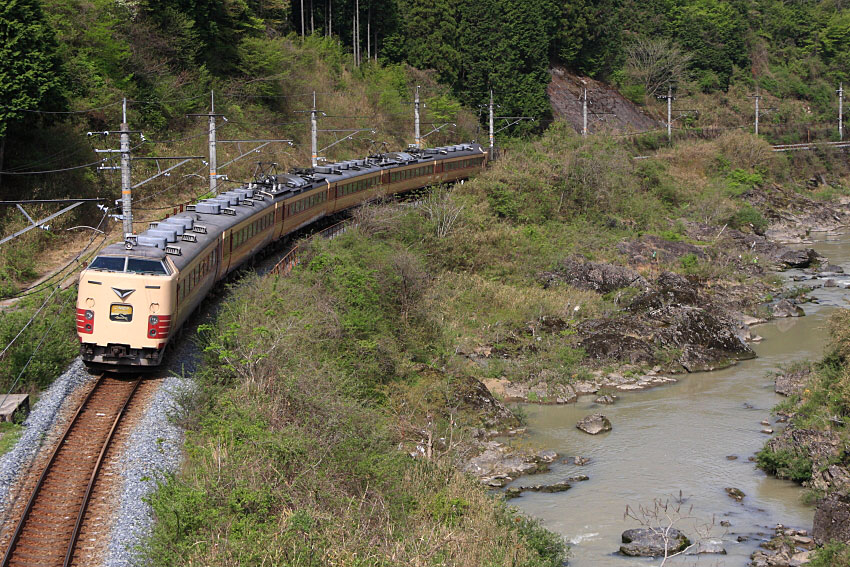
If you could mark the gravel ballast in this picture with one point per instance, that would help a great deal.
(38, 424)
(153, 451)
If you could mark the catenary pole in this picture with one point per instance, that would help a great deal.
(841, 111)
(584, 113)
(126, 183)
(314, 134)
(416, 131)
(670, 113)
(213, 156)
(492, 128)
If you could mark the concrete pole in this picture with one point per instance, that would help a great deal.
(213, 157)
(670, 113)
(757, 113)
(126, 183)
(841, 111)
(314, 134)
(416, 131)
(584, 113)
(302, 18)
(492, 128)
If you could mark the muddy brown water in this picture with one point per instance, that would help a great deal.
(677, 438)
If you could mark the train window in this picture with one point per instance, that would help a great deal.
(143, 266)
(108, 264)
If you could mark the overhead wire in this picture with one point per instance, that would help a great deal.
(40, 286)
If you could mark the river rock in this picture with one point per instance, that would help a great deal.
(833, 269)
(785, 308)
(798, 258)
(792, 381)
(645, 542)
(832, 518)
(830, 283)
(594, 424)
(607, 399)
(710, 545)
(580, 461)
(499, 464)
(736, 493)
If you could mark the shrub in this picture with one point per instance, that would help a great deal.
(748, 216)
(785, 464)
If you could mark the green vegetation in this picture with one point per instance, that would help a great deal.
(785, 464)
(52, 333)
(830, 555)
(310, 387)
(9, 435)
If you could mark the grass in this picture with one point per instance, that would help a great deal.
(311, 384)
(9, 435)
(317, 388)
(45, 347)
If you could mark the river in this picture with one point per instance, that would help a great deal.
(677, 438)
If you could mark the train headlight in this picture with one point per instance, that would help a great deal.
(89, 302)
(89, 314)
(154, 320)
(154, 307)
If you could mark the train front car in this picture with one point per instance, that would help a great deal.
(124, 307)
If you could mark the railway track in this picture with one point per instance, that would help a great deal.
(55, 517)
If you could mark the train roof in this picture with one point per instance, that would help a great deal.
(211, 217)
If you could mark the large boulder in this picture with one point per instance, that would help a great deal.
(594, 276)
(798, 258)
(645, 542)
(669, 289)
(832, 518)
(785, 308)
(791, 381)
(705, 338)
(594, 424)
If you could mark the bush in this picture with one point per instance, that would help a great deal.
(785, 464)
(748, 216)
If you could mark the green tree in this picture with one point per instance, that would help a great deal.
(714, 34)
(30, 73)
(431, 30)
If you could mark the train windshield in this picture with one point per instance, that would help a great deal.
(140, 266)
(108, 263)
(130, 265)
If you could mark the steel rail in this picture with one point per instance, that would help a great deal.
(106, 444)
(9, 555)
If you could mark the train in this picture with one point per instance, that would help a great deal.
(134, 296)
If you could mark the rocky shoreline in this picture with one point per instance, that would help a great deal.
(668, 323)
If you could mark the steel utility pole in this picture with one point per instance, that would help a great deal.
(492, 128)
(584, 112)
(126, 183)
(213, 158)
(418, 139)
(314, 134)
(670, 113)
(757, 97)
(841, 112)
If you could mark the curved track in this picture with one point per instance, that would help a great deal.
(51, 523)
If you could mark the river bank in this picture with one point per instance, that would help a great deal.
(698, 436)
(357, 383)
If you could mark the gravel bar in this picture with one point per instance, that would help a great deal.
(153, 451)
(37, 426)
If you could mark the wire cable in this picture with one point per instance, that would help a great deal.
(34, 289)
